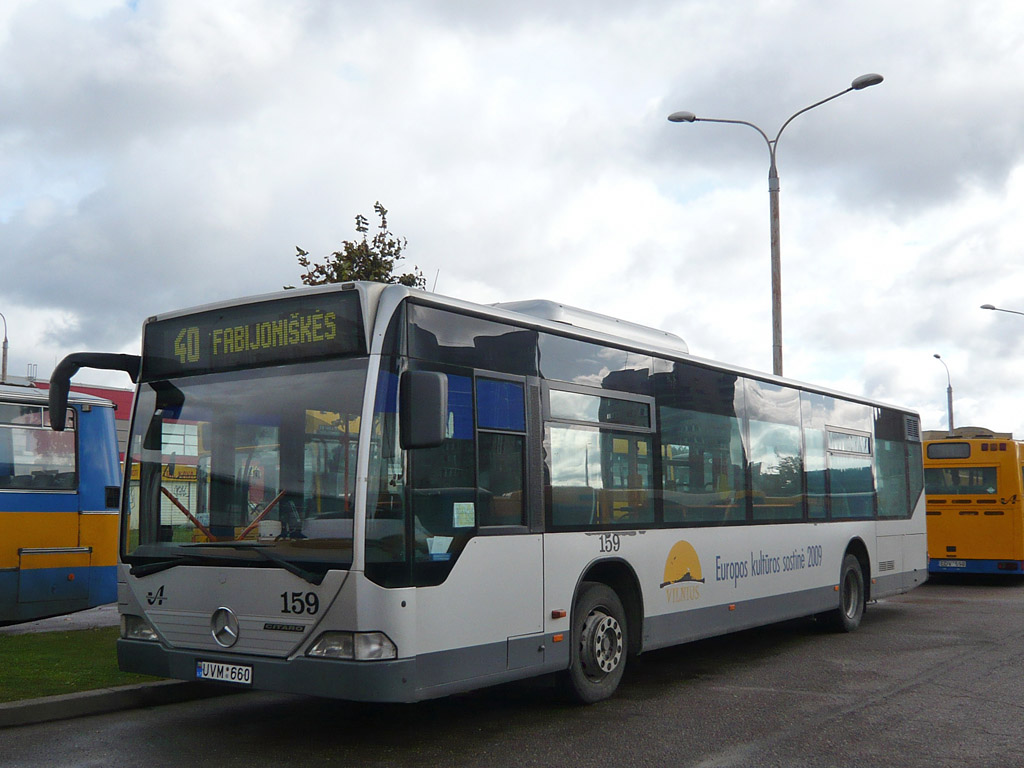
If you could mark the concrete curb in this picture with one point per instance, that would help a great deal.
(49, 708)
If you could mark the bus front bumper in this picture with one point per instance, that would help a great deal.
(351, 680)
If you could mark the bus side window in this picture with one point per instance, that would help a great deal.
(443, 481)
(703, 467)
(6, 457)
(34, 458)
(599, 477)
(501, 479)
(501, 406)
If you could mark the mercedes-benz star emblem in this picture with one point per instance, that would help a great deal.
(224, 627)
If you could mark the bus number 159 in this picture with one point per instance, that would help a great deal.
(300, 602)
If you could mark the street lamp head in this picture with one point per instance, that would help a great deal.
(937, 356)
(682, 117)
(866, 81)
(987, 306)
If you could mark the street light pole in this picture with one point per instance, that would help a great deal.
(864, 81)
(949, 394)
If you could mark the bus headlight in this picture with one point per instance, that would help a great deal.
(374, 646)
(357, 646)
(137, 628)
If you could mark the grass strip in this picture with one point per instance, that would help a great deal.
(51, 663)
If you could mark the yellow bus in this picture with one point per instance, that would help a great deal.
(973, 490)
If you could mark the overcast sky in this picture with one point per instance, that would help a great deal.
(159, 154)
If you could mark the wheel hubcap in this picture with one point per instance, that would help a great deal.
(600, 644)
(851, 595)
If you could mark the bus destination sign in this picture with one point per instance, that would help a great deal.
(263, 333)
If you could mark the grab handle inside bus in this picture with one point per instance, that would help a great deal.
(60, 379)
(422, 409)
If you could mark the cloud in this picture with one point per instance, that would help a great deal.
(159, 155)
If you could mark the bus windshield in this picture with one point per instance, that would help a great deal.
(251, 467)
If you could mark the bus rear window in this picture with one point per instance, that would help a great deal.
(959, 481)
(949, 451)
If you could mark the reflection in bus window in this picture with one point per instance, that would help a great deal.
(893, 497)
(385, 507)
(852, 486)
(704, 471)
(33, 457)
(444, 482)
(816, 467)
(330, 463)
(776, 471)
(272, 462)
(501, 478)
(578, 406)
(600, 477)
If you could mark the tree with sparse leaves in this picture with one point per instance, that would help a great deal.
(366, 259)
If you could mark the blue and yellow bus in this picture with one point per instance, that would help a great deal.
(59, 494)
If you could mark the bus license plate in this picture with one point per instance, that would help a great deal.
(952, 563)
(225, 673)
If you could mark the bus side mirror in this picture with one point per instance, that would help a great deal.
(422, 409)
(60, 379)
(60, 386)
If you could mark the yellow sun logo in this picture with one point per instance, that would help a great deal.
(682, 565)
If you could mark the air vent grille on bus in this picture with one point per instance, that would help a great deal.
(912, 425)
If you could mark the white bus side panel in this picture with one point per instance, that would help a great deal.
(699, 582)
(902, 554)
(483, 624)
(495, 593)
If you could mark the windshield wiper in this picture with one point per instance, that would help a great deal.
(303, 573)
(144, 569)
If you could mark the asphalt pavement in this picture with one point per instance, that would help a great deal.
(49, 708)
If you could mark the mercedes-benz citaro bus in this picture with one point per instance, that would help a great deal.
(399, 495)
(58, 505)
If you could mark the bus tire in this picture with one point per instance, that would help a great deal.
(846, 618)
(599, 644)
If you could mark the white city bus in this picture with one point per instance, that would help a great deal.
(399, 496)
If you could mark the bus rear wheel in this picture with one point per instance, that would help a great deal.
(846, 618)
(599, 644)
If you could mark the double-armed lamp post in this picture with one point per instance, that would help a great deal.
(864, 81)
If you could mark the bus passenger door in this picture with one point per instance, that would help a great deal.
(474, 553)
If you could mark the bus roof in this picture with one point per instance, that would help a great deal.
(33, 395)
(540, 315)
(594, 321)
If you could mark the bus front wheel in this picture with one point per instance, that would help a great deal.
(847, 616)
(599, 643)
